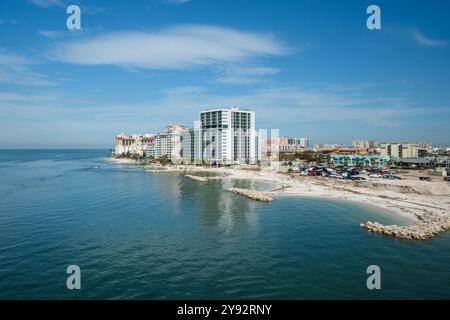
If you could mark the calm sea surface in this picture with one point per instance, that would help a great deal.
(138, 235)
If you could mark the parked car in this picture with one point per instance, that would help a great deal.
(303, 173)
(447, 179)
(425, 178)
(392, 177)
(353, 171)
(358, 178)
(375, 175)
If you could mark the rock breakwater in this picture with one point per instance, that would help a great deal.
(423, 229)
(252, 194)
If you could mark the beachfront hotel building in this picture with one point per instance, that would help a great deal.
(220, 137)
(168, 143)
(191, 142)
(134, 144)
(228, 136)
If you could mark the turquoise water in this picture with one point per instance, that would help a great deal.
(138, 235)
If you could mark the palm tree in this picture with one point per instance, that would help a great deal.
(164, 160)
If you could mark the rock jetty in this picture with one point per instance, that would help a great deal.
(197, 178)
(423, 229)
(252, 194)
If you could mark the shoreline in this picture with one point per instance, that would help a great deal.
(412, 201)
(292, 191)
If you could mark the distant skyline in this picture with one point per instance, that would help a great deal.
(310, 68)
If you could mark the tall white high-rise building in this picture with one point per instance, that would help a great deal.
(228, 136)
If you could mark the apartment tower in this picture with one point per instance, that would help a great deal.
(228, 136)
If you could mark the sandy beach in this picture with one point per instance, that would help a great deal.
(410, 198)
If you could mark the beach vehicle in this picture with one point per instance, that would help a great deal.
(424, 178)
(303, 173)
(375, 175)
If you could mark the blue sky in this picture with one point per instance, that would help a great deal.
(310, 68)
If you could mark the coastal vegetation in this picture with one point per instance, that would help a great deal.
(144, 158)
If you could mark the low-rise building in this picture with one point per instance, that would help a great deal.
(356, 160)
(301, 142)
(424, 145)
(322, 146)
(289, 148)
(427, 162)
(365, 144)
(345, 151)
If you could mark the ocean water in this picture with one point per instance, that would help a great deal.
(138, 235)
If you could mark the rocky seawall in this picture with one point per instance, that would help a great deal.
(252, 194)
(423, 229)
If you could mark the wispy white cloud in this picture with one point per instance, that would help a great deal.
(85, 9)
(423, 40)
(278, 106)
(48, 3)
(175, 2)
(69, 119)
(244, 75)
(11, 21)
(14, 99)
(51, 33)
(179, 47)
(55, 34)
(16, 69)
